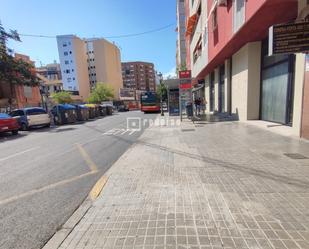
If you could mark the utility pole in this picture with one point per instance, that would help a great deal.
(161, 92)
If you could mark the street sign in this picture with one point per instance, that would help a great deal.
(186, 85)
(186, 74)
(289, 38)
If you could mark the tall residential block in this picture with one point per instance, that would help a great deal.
(139, 76)
(85, 62)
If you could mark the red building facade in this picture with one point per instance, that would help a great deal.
(227, 44)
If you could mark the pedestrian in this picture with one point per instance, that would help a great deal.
(197, 104)
(203, 105)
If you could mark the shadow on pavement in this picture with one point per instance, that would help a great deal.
(227, 165)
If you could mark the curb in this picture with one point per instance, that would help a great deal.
(58, 238)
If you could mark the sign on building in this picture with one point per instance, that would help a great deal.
(289, 38)
(126, 94)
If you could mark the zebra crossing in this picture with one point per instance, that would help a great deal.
(119, 132)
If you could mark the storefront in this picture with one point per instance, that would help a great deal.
(277, 87)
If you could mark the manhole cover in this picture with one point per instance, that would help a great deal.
(186, 130)
(295, 156)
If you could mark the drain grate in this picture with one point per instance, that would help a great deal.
(295, 156)
(186, 130)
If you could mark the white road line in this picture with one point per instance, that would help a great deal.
(42, 189)
(131, 133)
(18, 154)
(124, 131)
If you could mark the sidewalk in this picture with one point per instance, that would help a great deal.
(208, 185)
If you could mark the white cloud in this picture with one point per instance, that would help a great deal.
(171, 74)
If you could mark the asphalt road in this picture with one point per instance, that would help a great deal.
(45, 174)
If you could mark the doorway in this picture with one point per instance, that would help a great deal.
(277, 87)
(212, 92)
(221, 106)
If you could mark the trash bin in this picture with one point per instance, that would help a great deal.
(92, 111)
(64, 114)
(109, 109)
(189, 109)
(82, 112)
(103, 110)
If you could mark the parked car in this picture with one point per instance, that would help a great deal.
(8, 124)
(31, 117)
(123, 108)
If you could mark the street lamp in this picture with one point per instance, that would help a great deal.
(161, 92)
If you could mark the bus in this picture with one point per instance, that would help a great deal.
(150, 102)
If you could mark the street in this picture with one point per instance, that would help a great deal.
(45, 174)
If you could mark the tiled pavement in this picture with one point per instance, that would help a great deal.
(217, 185)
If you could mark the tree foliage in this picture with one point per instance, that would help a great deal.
(11, 70)
(162, 91)
(101, 92)
(62, 97)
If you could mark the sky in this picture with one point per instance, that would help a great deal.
(95, 18)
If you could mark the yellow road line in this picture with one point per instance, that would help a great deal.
(92, 166)
(48, 187)
(97, 188)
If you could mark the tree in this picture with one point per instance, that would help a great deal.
(14, 71)
(62, 97)
(101, 92)
(162, 91)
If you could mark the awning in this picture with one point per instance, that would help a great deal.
(198, 87)
(191, 23)
(213, 7)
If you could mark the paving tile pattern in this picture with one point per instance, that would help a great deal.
(224, 185)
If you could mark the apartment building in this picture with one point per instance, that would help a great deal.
(181, 53)
(50, 78)
(86, 62)
(139, 76)
(228, 46)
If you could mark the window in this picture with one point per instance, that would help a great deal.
(28, 92)
(64, 44)
(67, 71)
(70, 52)
(205, 36)
(73, 78)
(35, 111)
(238, 14)
(214, 17)
(72, 70)
(65, 53)
(66, 62)
(69, 79)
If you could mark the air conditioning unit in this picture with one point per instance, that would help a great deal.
(222, 2)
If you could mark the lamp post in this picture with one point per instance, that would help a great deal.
(161, 92)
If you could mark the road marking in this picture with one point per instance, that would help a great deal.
(119, 132)
(92, 166)
(132, 132)
(97, 188)
(18, 154)
(48, 187)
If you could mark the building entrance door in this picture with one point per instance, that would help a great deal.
(221, 107)
(277, 87)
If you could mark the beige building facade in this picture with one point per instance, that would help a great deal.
(86, 62)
